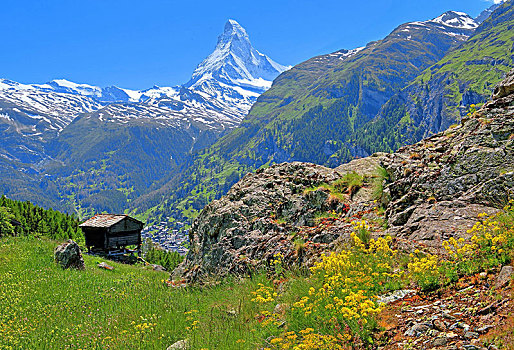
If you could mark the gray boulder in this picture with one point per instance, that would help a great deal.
(68, 255)
(180, 345)
(504, 277)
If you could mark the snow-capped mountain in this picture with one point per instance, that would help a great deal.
(457, 25)
(220, 93)
(454, 19)
(108, 94)
(40, 99)
(487, 12)
(31, 115)
(235, 61)
(224, 85)
(235, 72)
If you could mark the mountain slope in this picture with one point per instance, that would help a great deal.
(113, 155)
(29, 116)
(312, 109)
(443, 93)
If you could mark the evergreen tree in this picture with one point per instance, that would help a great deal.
(37, 221)
(6, 217)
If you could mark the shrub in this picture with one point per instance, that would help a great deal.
(159, 256)
(6, 217)
(342, 301)
(425, 271)
(350, 183)
(362, 230)
(299, 246)
(492, 243)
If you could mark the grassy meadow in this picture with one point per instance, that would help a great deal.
(45, 307)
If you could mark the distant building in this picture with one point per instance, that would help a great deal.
(109, 232)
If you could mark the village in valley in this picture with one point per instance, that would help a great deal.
(170, 237)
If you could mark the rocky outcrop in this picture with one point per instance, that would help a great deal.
(504, 89)
(68, 255)
(443, 182)
(264, 214)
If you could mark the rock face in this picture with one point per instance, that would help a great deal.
(68, 255)
(260, 215)
(504, 89)
(441, 183)
(449, 320)
(245, 224)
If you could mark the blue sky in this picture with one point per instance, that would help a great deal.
(138, 44)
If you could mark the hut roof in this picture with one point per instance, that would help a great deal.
(106, 220)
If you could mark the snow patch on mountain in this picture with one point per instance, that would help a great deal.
(66, 86)
(487, 12)
(456, 19)
(344, 54)
(452, 23)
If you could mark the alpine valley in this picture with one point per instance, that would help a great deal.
(83, 148)
(165, 152)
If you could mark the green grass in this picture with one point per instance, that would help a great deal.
(320, 216)
(45, 307)
(351, 182)
(348, 184)
(381, 174)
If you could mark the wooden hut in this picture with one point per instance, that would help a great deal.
(109, 232)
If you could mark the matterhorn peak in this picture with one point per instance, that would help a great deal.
(233, 30)
(235, 64)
